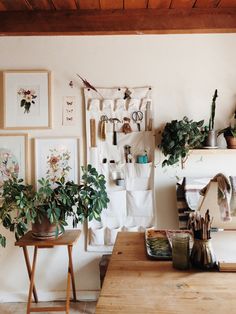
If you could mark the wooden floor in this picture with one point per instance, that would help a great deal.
(75, 308)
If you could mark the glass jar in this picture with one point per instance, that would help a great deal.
(202, 255)
(180, 251)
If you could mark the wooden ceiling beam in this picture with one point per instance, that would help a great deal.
(159, 4)
(206, 3)
(182, 4)
(95, 22)
(227, 4)
(111, 4)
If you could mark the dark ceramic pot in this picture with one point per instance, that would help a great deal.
(44, 229)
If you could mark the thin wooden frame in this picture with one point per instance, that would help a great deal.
(27, 99)
(13, 144)
(47, 148)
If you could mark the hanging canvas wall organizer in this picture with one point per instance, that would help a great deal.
(120, 144)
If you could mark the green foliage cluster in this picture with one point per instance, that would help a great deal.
(178, 137)
(22, 205)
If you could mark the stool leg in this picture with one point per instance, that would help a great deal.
(32, 279)
(68, 290)
(27, 262)
(71, 270)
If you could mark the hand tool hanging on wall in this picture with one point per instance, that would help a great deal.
(126, 128)
(93, 132)
(128, 156)
(137, 117)
(102, 129)
(114, 121)
(147, 115)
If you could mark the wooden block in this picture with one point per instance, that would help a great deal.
(93, 132)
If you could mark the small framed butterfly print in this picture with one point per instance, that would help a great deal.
(69, 111)
(27, 99)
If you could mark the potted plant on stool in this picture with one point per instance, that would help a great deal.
(51, 206)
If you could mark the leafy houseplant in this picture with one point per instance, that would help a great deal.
(178, 137)
(22, 205)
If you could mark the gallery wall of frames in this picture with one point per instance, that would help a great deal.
(27, 106)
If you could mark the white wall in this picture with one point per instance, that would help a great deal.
(184, 71)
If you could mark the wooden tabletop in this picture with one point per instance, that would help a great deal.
(67, 238)
(135, 284)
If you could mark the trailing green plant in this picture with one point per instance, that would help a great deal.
(213, 110)
(22, 205)
(178, 137)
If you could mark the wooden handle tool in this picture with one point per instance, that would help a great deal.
(93, 132)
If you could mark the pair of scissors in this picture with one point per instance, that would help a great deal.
(137, 117)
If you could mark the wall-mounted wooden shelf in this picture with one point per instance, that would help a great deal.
(216, 151)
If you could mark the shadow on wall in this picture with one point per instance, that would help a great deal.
(166, 207)
(91, 268)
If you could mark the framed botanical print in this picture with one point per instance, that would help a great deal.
(56, 158)
(26, 99)
(13, 157)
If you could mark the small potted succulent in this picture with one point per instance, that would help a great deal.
(230, 133)
(178, 137)
(48, 208)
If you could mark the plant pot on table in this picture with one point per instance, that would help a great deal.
(211, 139)
(231, 142)
(44, 229)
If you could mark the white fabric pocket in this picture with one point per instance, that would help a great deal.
(111, 235)
(94, 105)
(107, 104)
(120, 105)
(143, 170)
(140, 203)
(138, 177)
(117, 205)
(133, 105)
(96, 236)
(138, 184)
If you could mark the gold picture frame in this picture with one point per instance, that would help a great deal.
(27, 99)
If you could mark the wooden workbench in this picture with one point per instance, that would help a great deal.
(135, 284)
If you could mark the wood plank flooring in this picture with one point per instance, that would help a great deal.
(75, 308)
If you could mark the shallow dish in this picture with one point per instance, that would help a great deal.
(158, 245)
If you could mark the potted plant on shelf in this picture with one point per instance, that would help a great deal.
(51, 206)
(211, 139)
(178, 137)
(230, 133)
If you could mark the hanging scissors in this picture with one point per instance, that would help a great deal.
(137, 117)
